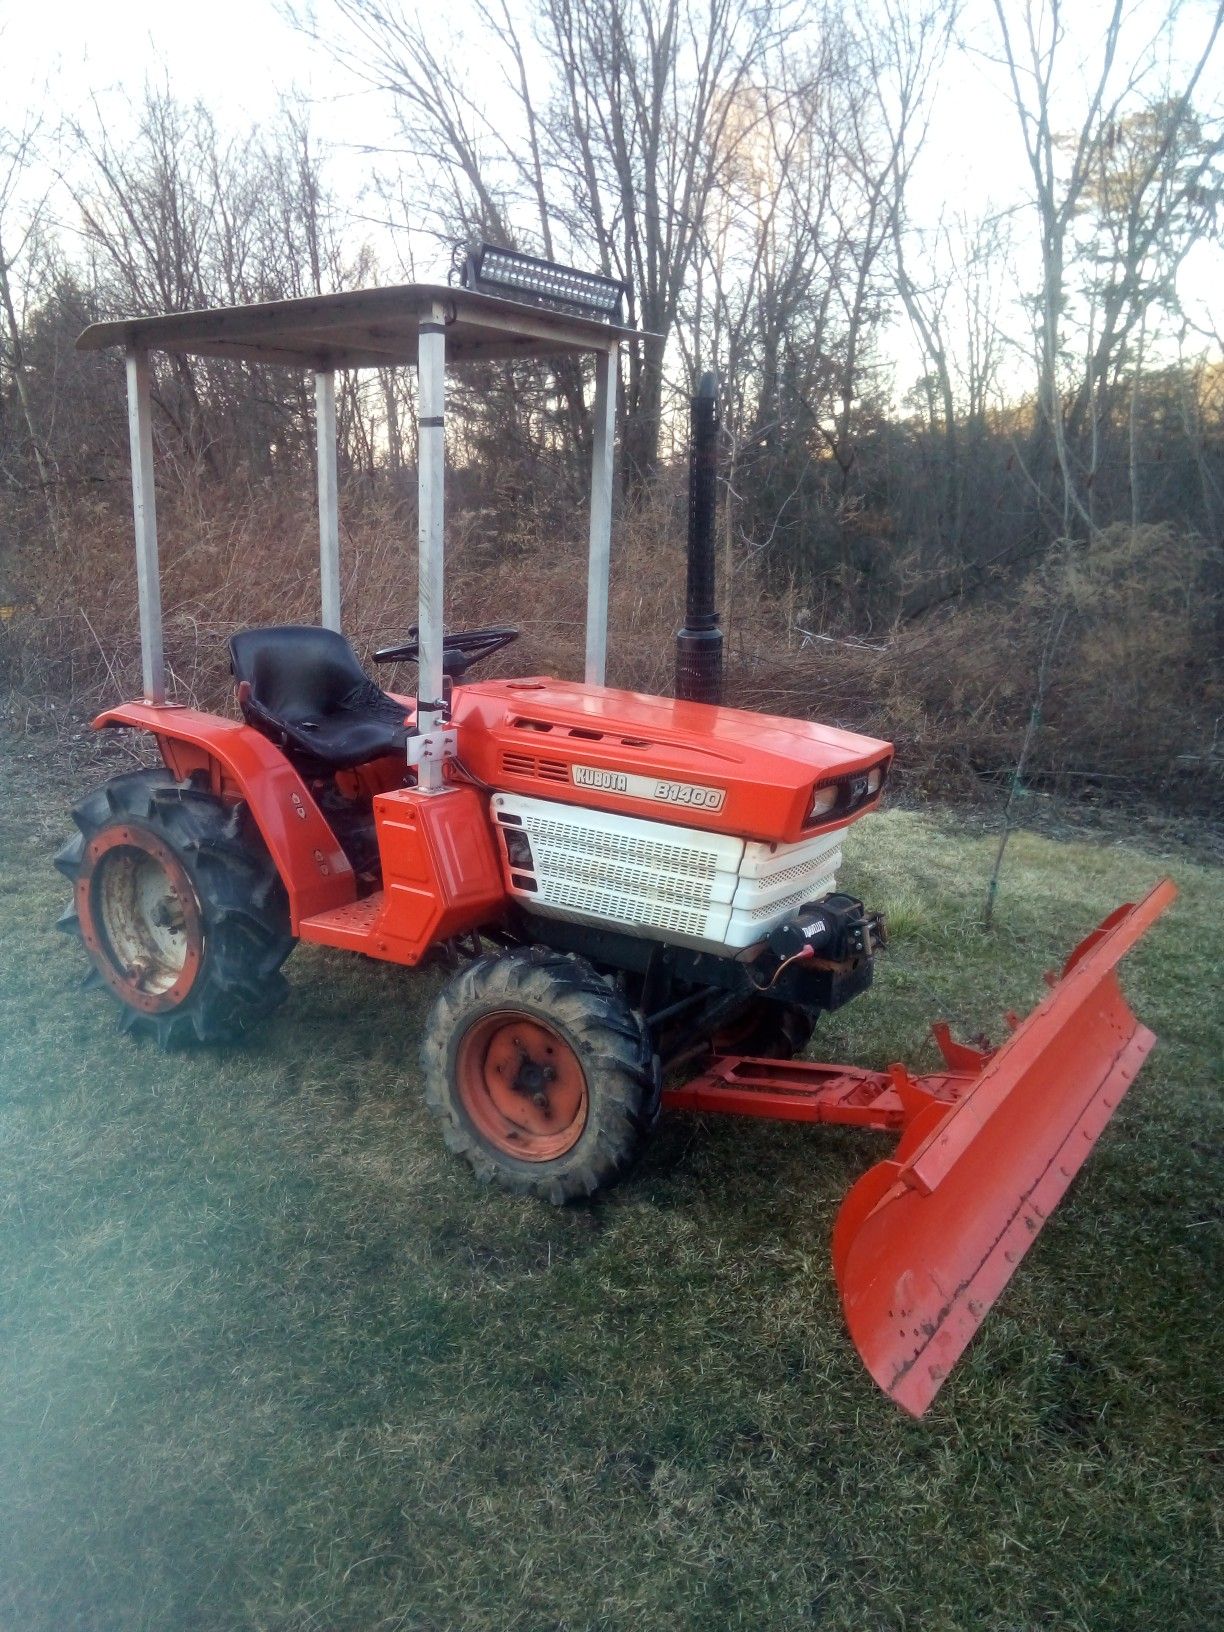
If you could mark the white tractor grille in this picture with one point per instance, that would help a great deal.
(656, 879)
(772, 911)
(776, 880)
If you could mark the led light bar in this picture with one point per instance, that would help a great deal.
(508, 272)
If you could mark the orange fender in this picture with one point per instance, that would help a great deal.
(243, 764)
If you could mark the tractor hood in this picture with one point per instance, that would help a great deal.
(725, 769)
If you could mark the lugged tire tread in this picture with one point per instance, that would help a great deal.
(243, 901)
(773, 1031)
(623, 1078)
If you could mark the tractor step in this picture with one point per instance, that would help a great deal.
(348, 927)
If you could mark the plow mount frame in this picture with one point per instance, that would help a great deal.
(927, 1239)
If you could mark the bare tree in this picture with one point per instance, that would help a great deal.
(1155, 191)
(1066, 166)
(19, 252)
(620, 127)
(901, 52)
(795, 280)
(180, 216)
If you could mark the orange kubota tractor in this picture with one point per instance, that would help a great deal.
(637, 894)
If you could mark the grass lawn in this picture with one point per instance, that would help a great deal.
(269, 1358)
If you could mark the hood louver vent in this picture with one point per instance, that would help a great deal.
(543, 770)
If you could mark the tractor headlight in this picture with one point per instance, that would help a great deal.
(518, 849)
(846, 795)
(824, 800)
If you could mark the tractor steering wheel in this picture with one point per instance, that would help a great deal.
(459, 650)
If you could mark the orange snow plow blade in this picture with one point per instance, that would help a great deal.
(927, 1240)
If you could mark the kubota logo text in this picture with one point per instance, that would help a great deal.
(587, 776)
(656, 789)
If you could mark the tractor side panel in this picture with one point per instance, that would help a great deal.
(441, 874)
(243, 764)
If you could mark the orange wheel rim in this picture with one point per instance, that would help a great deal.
(140, 918)
(522, 1086)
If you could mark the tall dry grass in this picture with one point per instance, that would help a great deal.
(1133, 700)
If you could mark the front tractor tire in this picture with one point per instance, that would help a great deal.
(765, 1030)
(541, 1074)
(179, 907)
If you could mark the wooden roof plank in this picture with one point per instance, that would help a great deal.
(360, 328)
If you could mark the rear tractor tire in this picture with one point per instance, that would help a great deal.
(179, 906)
(541, 1075)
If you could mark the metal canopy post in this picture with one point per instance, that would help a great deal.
(428, 748)
(144, 510)
(604, 436)
(329, 498)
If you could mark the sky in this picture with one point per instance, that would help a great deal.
(239, 55)
(238, 60)
(247, 54)
(232, 53)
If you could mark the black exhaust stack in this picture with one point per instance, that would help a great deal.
(699, 645)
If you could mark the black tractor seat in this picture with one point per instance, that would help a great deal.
(304, 689)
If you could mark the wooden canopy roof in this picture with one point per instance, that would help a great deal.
(361, 328)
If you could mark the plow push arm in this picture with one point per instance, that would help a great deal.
(928, 1238)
